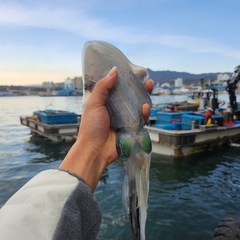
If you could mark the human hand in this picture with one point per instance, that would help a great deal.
(95, 147)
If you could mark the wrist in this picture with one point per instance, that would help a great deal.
(85, 162)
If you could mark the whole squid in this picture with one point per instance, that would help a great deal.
(124, 105)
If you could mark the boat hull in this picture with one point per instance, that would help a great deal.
(178, 144)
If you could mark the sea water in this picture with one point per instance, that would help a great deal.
(187, 198)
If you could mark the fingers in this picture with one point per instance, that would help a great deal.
(143, 74)
(101, 89)
(148, 84)
(145, 111)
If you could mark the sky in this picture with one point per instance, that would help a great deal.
(42, 40)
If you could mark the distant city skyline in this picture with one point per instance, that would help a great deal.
(43, 40)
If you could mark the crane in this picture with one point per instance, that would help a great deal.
(231, 88)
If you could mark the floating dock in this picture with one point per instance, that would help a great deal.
(53, 132)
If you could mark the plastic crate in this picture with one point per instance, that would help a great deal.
(153, 112)
(168, 117)
(57, 117)
(187, 120)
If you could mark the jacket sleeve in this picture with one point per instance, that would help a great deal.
(52, 205)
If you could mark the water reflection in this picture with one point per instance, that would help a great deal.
(196, 191)
(182, 169)
(46, 151)
(49, 150)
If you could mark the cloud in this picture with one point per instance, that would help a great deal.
(77, 22)
(81, 23)
(198, 45)
(35, 17)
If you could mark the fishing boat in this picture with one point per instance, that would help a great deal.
(178, 134)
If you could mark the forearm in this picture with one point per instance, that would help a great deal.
(86, 162)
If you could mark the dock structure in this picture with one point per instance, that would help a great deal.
(171, 143)
(53, 132)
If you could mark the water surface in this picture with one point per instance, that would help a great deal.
(187, 198)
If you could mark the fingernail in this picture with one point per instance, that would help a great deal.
(112, 71)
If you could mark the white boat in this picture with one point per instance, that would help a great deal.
(182, 143)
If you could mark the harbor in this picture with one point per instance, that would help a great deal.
(176, 176)
(177, 129)
(175, 142)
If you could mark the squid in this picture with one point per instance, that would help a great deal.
(124, 105)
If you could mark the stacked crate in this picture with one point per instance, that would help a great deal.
(191, 119)
(56, 117)
(168, 120)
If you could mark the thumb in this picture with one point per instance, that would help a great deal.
(102, 87)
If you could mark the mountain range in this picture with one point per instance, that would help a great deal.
(188, 78)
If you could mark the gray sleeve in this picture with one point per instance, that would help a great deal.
(80, 218)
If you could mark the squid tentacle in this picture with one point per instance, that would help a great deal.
(136, 179)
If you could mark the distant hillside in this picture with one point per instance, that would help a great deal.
(170, 76)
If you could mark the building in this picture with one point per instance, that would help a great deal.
(48, 85)
(73, 83)
(165, 84)
(178, 82)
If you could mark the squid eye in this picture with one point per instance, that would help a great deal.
(124, 145)
(145, 141)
